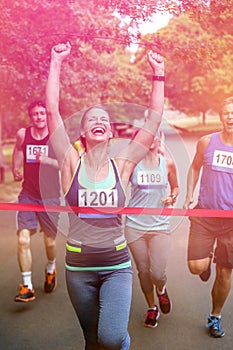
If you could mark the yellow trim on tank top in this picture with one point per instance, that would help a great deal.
(71, 181)
(73, 249)
(116, 167)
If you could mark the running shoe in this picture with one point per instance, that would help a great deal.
(50, 281)
(164, 302)
(25, 294)
(151, 317)
(215, 326)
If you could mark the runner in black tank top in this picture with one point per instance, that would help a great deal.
(40, 186)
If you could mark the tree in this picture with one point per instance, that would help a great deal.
(198, 58)
(28, 31)
(98, 37)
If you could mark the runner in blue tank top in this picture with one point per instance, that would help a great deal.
(214, 155)
(98, 268)
(148, 236)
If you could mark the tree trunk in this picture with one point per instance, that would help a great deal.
(3, 162)
(204, 118)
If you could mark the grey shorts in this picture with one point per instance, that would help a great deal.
(211, 235)
(29, 219)
(150, 252)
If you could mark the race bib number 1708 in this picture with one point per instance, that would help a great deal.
(223, 159)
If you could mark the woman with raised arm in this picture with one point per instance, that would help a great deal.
(98, 267)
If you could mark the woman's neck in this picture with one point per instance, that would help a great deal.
(151, 160)
(96, 162)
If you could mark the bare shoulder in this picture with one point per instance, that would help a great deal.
(203, 142)
(20, 135)
(68, 166)
(170, 165)
(21, 132)
(71, 159)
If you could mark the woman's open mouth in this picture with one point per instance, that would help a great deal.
(98, 130)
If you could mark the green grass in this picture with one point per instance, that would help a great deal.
(9, 190)
(7, 151)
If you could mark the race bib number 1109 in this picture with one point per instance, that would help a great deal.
(149, 178)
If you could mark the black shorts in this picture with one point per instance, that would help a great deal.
(207, 234)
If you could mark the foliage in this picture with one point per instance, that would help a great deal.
(197, 47)
(30, 29)
(198, 58)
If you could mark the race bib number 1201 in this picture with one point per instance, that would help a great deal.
(97, 198)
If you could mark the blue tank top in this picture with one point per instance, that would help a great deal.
(148, 187)
(216, 186)
(96, 241)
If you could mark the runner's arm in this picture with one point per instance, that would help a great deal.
(58, 135)
(194, 170)
(140, 145)
(17, 156)
(43, 159)
(173, 182)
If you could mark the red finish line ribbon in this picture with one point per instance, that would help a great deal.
(119, 210)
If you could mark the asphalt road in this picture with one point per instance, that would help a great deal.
(49, 322)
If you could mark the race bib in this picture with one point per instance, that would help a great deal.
(149, 177)
(33, 150)
(97, 198)
(223, 160)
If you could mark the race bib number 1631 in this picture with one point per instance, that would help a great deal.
(33, 150)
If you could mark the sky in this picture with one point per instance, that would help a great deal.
(158, 21)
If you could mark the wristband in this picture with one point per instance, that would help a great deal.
(158, 78)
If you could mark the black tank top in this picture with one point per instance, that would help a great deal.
(40, 180)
